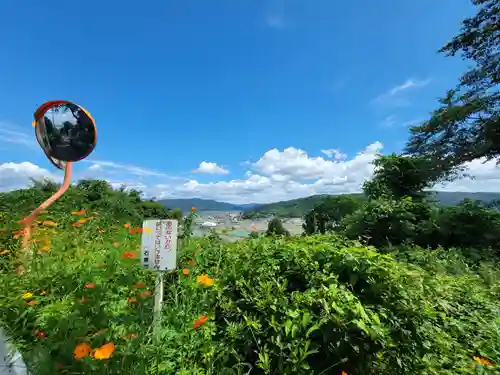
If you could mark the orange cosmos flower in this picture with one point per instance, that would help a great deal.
(46, 245)
(126, 225)
(205, 280)
(185, 271)
(483, 361)
(3, 252)
(200, 321)
(129, 255)
(139, 284)
(104, 352)
(79, 213)
(32, 302)
(135, 231)
(90, 286)
(132, 299)
(193, 209)
(115, 244)
(82, 351)
(146, 293)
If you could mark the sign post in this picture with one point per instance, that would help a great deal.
(159, 253)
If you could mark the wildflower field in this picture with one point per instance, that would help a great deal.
(319, 304)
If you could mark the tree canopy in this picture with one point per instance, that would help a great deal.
(466, 124)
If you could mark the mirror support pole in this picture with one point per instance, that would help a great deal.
(28, 220)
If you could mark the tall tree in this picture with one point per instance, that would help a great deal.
(309, 225)
(327, 215)
(276, 228)
(398, 176)
(466, 125)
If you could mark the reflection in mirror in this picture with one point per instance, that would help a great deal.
(57, 163)
(66, 133)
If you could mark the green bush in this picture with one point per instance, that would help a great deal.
(324, 305)
(384, 222)
(470, 224)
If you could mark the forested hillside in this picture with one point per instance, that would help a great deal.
(300, 207)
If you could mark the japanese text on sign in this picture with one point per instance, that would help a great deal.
(159, 245)
(168, 236)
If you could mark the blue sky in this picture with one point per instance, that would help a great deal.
(173, 84)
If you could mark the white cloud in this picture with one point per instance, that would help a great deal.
(132, 169)
(410, 83)
(15, 135)
(17, 175)
(334, 153)
(393, 121)
(296, 164)
(389, 121)
(395, 97)
(485, 178)
(210, 168)
(277, 175)
(95, 167)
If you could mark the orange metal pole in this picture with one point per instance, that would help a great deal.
(28, 220)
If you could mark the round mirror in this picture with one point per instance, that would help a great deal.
(65, 131)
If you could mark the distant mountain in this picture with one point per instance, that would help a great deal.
(292, 208)
(299, 207)
(452, 198)
(185, 205)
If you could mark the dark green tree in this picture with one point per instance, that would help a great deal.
(398, 176)
(466, 125)
(276, 228)
(309, 225)
(95, 189)
(326, 216)
(45, 185)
